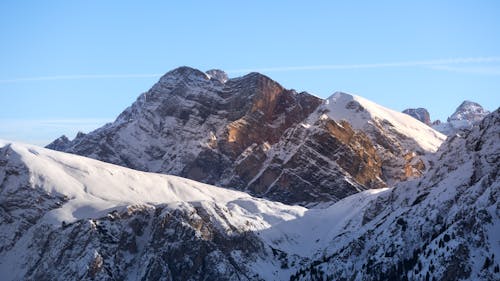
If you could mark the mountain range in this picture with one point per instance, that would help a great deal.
(209, 178)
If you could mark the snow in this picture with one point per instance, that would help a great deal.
(309, 234)
(95, 188)
(359, 112)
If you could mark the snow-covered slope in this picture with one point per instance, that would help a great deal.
(444, 226)
(362, 114)
(99, 186)
(72, 193)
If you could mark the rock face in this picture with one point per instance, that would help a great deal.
(252, 134)
(464, 117)
(421, 114)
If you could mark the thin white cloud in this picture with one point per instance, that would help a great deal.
(440, 64)
(43, 131)
(437, 62)
(485, 70)
(79, 77)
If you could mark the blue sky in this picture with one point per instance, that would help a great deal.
(74, 65)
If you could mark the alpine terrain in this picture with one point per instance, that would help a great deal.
(206, 177)
(251, 134)
(66, 217)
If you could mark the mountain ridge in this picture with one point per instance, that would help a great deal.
(232, 134)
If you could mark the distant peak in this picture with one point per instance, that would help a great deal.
(420, 114)
(470, 111)
(217, 74)
(468, 103)
(60, 143)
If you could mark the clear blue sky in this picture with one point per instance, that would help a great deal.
(400, 54)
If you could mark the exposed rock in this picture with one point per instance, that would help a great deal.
(62, 143)
(218, 74)
(421, 114)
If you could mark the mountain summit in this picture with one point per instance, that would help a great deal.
(465, 116)
(252, 134)
(470, 111)
(421, 114)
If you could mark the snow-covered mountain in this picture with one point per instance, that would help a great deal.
(465, 116)
(444, 226)
(252, 134)
(65, 216)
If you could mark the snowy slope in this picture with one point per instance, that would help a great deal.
(97, 186)
(98, 199)
(84, 189)
(361, 112)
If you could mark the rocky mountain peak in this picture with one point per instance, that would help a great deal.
(61, 143)
(184, 73)
(470, 111)
(218, 74)
(421, 114)
(465, 116)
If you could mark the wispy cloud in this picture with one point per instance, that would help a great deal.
(485, 70)
(43, 131)
(78, 77)
(437, 64)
